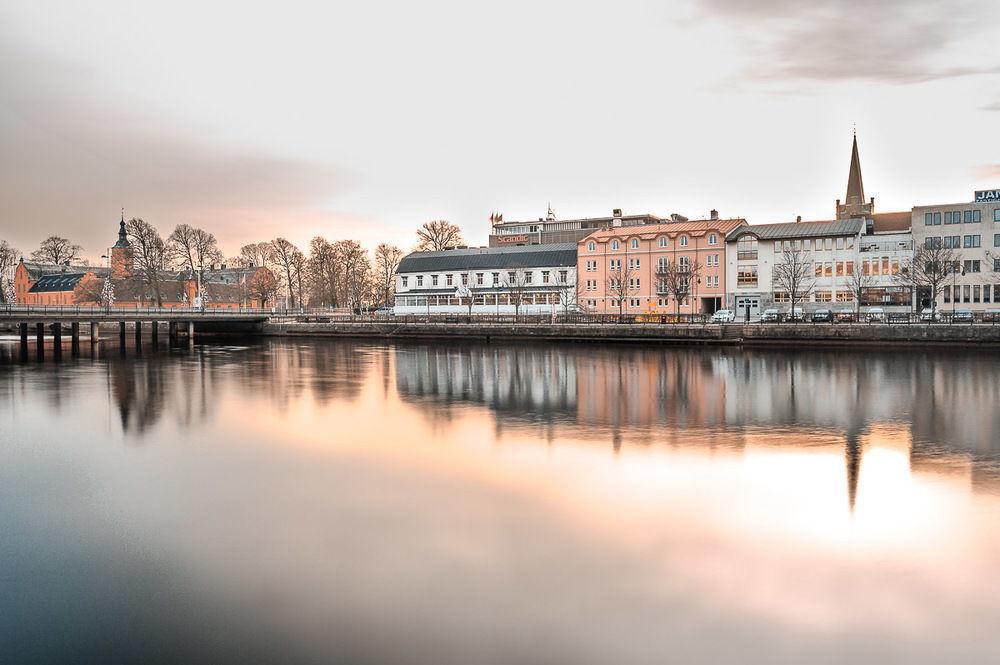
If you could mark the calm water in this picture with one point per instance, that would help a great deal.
(334, 502)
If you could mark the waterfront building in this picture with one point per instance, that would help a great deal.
(221, 287)
(639, 269)
(972, 230)
(549, 230)
(531, 279)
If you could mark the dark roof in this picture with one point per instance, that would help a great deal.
(218, 276)
(842, 227)
(491, 258)
(57, 282)
(892, 222)
(36, 270)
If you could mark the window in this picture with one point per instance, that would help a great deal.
(824, 296)
(684, 264)
(819, 268)
(786, 246)
(662, 242)
(840, 268)
(448, 279)
(973, 217)
(614, 245)
(563, 276)
(434, 280)
(746, 276)
(932, 243)
(829, 244)
(479, 279)
(510, 277)
(996, 265)
(661, 264)
(932, 219)
(633, 283)
(633, 264)
(973, 266)
(952, 242)
(850, 242)
(986, 293)
(849, 268)
(807, 244)
(615, 265)
(970, 241)
(840, 243)
(465, 279)
(420, 280)
(996, 214)
(528, 276)
(845, 296)
(684, 241)
(405, 281)
(796, 245)
(966, 293)
(947, 293)
(634, 302)
(976, 293)
(781, 296)
(545, 277)
(746, 249)
(634, 243)
(777, 246)
(828, 269)
(496, 279)
(712, 239)
(953, 217)
(591, 246)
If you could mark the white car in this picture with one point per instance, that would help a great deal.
(795, 315)
(770, 315)
(724, 316)
(875, 315)
(930, 316)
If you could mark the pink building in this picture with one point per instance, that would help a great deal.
(642, 266)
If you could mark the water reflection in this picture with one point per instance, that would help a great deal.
(310, 501)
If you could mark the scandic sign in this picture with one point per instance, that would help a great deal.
(512, 239)
(988, 196)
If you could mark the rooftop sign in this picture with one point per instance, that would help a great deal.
(988, 196)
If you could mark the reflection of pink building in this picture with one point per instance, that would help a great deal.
(639, 257)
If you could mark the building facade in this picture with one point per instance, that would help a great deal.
(549, 230)
(533, 279)
(660, 268)
(972, 231)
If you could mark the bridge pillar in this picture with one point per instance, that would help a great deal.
(40, 340)
(155, 333)
(190, 332)
(57, 339)
(95, 332)
(23, 329)
(138, 333)
(74, 338)
(172, 331)
(121, 334)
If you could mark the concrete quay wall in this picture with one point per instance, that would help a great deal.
(749, 335)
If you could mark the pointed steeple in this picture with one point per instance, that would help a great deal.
(855, 187)
(855, 204)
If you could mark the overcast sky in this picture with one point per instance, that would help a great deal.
(365, 119)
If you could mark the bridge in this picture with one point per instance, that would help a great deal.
(180, 322)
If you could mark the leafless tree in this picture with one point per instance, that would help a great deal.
(438, 235)
(618, 284)
(149, 253)
(262, 287)
(257, 254)
(357, 273)
(8, 264)
(678, 278)
(795, 275)
(290, 261)
(931, 267)
(570, 292)
(192, 248)
(323, 270)
(90, 289)
(56, 250)
(387, 258)
(517, 285)
(859, 282)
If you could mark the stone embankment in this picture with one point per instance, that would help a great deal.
(747, 335)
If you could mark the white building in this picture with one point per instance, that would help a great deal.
(531, 279)
(972, 230)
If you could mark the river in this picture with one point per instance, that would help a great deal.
(347, 502)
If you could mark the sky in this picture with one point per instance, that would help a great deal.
(363, 120)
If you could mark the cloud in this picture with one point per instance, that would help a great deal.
(74, 153)
(882, 41)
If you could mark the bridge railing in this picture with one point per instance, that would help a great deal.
(11, 310)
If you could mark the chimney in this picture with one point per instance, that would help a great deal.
(798, 219)
(223, 266)
(617, 212)
(714, 214)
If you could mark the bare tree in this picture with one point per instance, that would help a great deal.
(859, 281)
(387, 258)
(257, 254)
(323, 270)
(678, 278)
(8, 264)
(438, 235)
(619, 284)
(289, 259)
(193, 248)
(794, 274)
(357, 273)
(931, 267)
(262, 287)
(570, 293)
(517, 284)
(56, 250)
(149, 253)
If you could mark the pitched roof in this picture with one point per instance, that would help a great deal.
(36, 270)
(892, 222)
(56, 282)
(134, 290)
(487, 258)
(842, 227)
(697, 228)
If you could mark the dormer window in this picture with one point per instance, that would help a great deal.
(712, 239)
(614, 245)
(684, 241)
(591, 246)
(634, 243)
(662, 242)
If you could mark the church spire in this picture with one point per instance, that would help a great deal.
(855, 187)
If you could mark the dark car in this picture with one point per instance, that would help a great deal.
(822, 316)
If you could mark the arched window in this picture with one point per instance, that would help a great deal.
(684, 241)
(614, 245)
(634, 243)
(591, 246)
(711, 239)
(662, 242)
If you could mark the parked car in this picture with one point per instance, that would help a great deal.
(962, 316)
(771, 315)
(992, 315)
(795, 314)
(846, 316)
(930, 316)
(875, 315)
(724, 316)
(383, 311)
(822, 316)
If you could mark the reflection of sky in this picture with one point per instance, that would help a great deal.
(295, 500)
